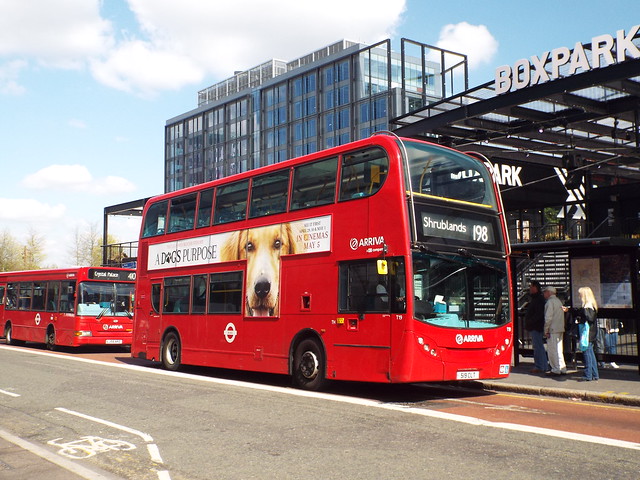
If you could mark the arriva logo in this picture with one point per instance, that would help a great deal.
(460, 339)
(355, 243)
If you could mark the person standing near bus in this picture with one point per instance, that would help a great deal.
(554, 331)
(534, 323)
(587, 314)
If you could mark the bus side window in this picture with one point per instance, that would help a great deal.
(182, 213)
(67, 296)
(362, 289)
(39, 290)
(2, 300)
(314, 184)
(363, 173)
(199, 294)
(26, 292)
(53, 295)
(155, 297)
(231, 202)
(204, 208)
(269, 194)
(225, 292)
(155, 220)
(12, 296)
(176, 295)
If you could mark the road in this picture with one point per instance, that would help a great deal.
(143, 423)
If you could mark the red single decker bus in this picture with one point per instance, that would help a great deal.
(383, 260)
(72, 306)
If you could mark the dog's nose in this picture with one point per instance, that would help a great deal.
(262, 288)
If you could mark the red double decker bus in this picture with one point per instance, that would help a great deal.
(72, 307)
(383, 260)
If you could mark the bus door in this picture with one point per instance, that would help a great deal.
(224, 328)
(372, 296)
(3, 289)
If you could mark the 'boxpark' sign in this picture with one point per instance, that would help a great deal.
(604, 50)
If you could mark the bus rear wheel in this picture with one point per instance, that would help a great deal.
(171, 352)
(50, 339)
(309, 365)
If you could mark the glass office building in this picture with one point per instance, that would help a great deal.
(280, 110)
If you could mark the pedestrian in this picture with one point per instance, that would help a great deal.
(554, 331)
(534, 324)
(588, 315)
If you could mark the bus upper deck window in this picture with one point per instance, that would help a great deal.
(269, 194)
(155, 220)
(363, 173)
(182, 213)
(231, 202)
(314, 184)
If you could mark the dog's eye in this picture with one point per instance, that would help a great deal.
(249, 247)
(277, 244)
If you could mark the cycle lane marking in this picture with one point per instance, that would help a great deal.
(152, 448)
(47, 455)
(10, 394)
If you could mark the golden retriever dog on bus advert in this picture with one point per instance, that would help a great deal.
(261, 247)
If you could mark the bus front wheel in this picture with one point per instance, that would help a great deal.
(8, 336)
(309, 365)
(171, 352)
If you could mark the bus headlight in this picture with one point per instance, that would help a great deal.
(83, 333)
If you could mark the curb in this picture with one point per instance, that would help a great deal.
(615, 398)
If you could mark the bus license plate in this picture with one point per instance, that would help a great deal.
(114, 342)
(467, 375)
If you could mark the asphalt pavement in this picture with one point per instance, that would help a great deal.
(616, 385)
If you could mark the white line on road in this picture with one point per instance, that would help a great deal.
(11, 394)
(68, 465)
(154, 453)
(145, 436)
(359, 401)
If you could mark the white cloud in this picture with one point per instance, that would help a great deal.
(60, 33)
(475, 41)
(186, 41)
(76, 178)
(182, 43)
(29, 210)
(9, 74)
(76, 123)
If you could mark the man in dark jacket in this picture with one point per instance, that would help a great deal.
(534, 323)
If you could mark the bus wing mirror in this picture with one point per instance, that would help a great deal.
(382, 267)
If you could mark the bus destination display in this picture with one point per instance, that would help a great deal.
(457, 227)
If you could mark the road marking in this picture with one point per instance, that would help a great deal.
(11, 394)
(357, 401)
(154, 451)
(72, 467)
(145, 436)
(88, 446)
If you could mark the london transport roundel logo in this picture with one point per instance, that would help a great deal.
(230, 332)
(459, 339)
(353, 243)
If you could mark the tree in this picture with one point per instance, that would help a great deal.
(10, 251)
(85, 249)
(32, 252)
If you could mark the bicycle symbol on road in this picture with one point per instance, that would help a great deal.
(88, 446)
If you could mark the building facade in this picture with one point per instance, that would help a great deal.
(280, 110)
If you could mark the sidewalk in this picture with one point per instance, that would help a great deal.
(621, 385)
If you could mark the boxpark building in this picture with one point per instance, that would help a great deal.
(559, 129)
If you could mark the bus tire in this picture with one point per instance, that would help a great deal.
(8, 336)
(171, 352)
(309, 365)
(50, 338)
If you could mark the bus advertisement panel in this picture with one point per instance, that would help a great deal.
(383, 260)
(71, 307)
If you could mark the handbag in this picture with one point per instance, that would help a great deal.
(583, 331)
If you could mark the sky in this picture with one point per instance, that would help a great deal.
(86, 86)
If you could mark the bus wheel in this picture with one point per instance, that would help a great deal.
(309, 365)
(50, 339)
(8, 336)
(171, 352)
